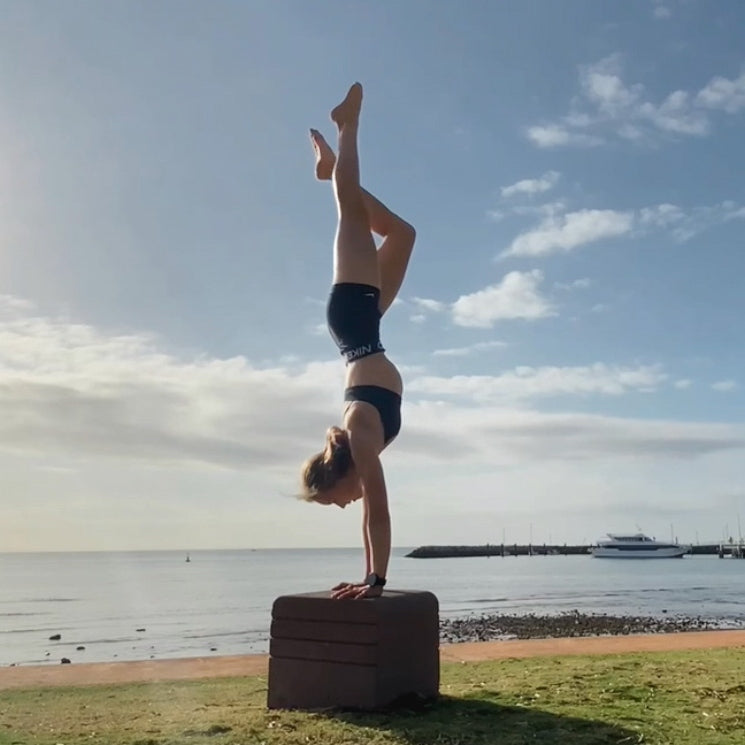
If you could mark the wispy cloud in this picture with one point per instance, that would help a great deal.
(70, 389)
(557, 135)
(577, 284)
(516, 296)
(559, 231)
(685, 224)
(723, 94)
(495, 433)
(434, 306)
(609, 107)
(563, 233)
(532, 186)
(724, 386)
(482, 346)
(661, 11)
(539, 382)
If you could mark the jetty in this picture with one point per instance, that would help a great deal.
(496, 549)
(564, 549)
(735, 550)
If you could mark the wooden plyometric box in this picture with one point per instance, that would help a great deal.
(361, 654)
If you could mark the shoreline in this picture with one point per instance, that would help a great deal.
(484, 628)
(574, 623)
(204, 668)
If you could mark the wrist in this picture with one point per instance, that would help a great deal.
(375, 580)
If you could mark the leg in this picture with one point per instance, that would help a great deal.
(355, 256)
(398, 236)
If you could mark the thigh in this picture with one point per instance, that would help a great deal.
(355, 256)
(393, 259)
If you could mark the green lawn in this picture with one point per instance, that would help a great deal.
(681, 698)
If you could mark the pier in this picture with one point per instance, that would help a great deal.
(528, 549)
(735, 550)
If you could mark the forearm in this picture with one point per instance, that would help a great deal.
(379, 537)
(366, 542)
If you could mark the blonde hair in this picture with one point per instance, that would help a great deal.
(324, 470)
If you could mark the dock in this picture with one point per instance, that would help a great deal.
(527, 549)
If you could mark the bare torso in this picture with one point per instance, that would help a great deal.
(376, 369)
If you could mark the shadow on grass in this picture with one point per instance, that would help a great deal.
(464, 721)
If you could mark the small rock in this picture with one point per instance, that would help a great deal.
(213, 649)
(80, 648)
(65, 661)
(55, 637)
(139, 631)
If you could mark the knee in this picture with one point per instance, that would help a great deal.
(407, 232)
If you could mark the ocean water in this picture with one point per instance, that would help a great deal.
(143, 605)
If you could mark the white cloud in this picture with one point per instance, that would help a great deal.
(538, 382)
(131, 438)
(516, 296)
(724, 94)
(505, 435)
(683, 384)
(609, 106)
(577, 284)
(554, 135)
(724, 386)
(434, 306)
(69, 389)
(661, 215)
(661, 12)
(569, 231)
(532, 186)
(684, 225)
(481, 346)
(418, 318)
(558, 231)
(10, 305)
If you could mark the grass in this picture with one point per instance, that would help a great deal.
(680, 698)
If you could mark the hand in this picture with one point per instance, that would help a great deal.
(355, 591)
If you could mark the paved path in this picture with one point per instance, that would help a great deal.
(195, 668)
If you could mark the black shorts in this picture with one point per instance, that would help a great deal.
(353, 318)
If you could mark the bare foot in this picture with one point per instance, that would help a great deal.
(325, 156)
(348, 111)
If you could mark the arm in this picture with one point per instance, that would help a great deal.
(377, 516)
(366, 539)
(376, 522)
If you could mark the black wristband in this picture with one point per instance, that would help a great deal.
(374, 580)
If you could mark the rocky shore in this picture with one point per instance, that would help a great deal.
(531, 626)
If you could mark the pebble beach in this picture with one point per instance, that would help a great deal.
(567, 625)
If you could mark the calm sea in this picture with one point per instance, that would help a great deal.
(142, 605)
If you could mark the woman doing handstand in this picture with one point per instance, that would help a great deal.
(366, 281)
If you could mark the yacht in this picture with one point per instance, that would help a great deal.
(636, 546)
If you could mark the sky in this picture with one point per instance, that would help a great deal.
(570, 331)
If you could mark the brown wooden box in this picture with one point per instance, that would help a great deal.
(361, 654)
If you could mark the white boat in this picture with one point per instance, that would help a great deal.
(636, 546)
